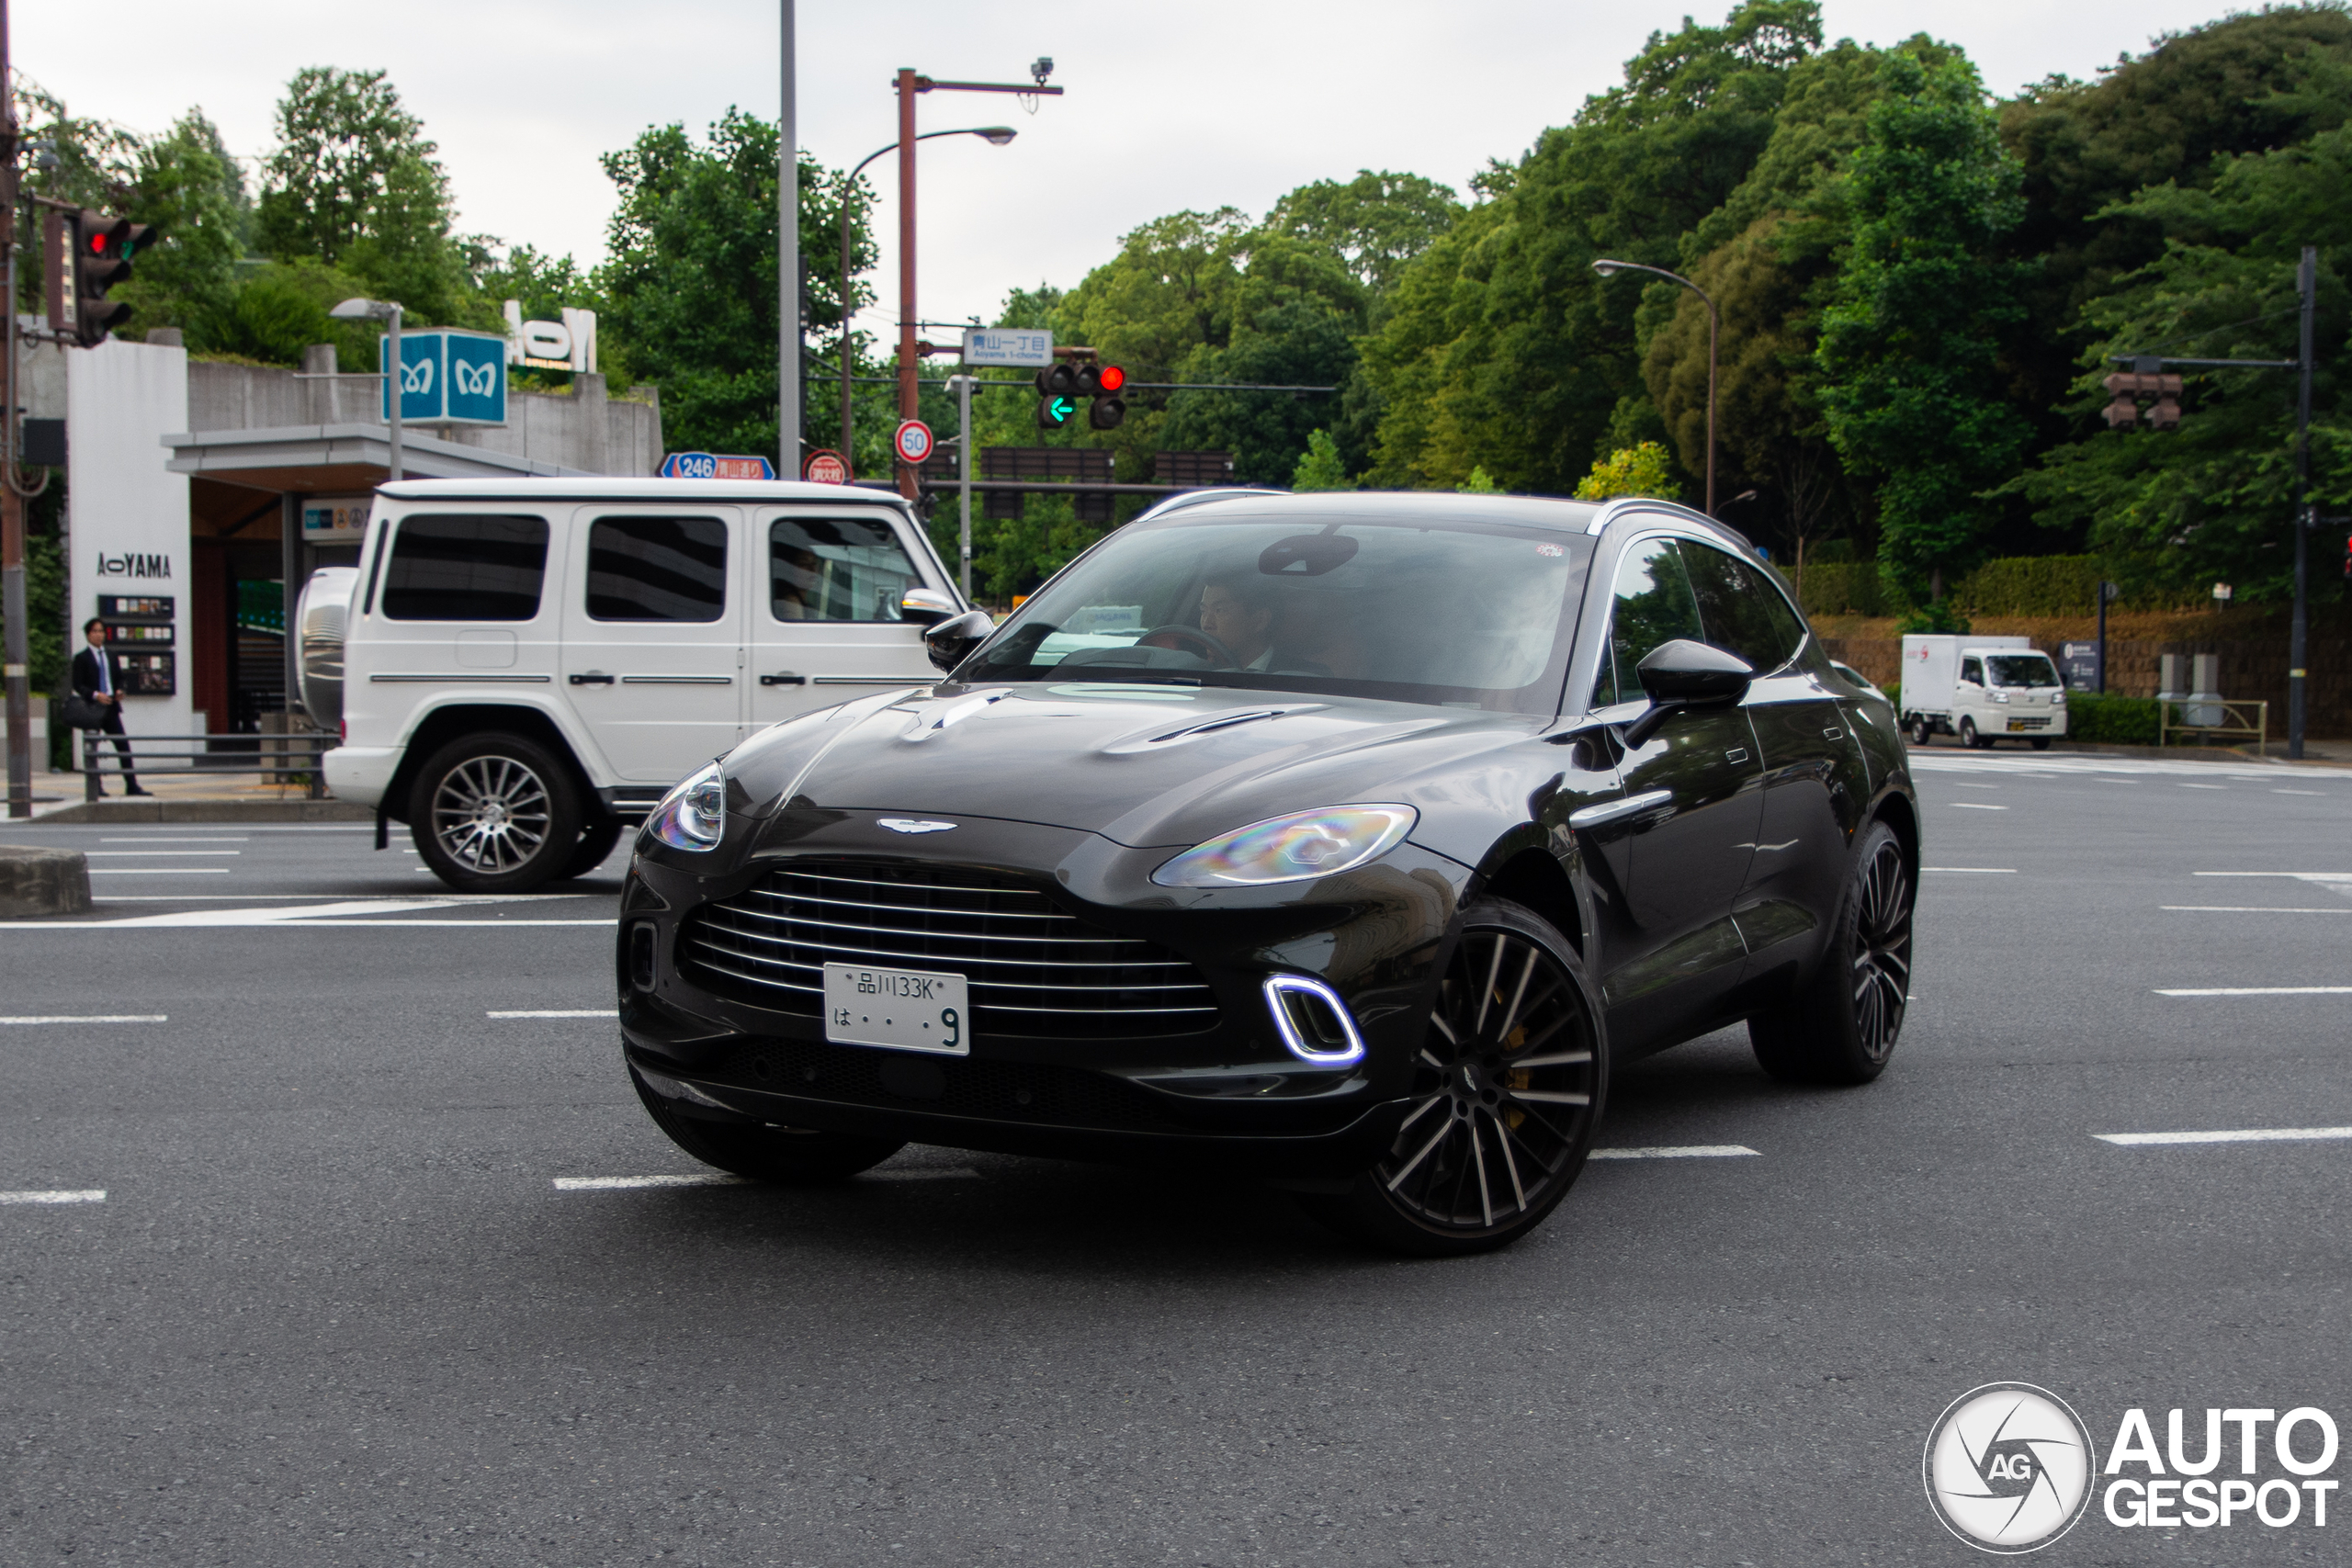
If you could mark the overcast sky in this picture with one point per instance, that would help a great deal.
(1200, 104)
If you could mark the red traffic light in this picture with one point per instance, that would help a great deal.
(1111, 377)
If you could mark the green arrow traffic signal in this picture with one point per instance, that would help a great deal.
(1055, 413)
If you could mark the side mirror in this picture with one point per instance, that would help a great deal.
(1684, 675)
(925, 606)
(951, 641)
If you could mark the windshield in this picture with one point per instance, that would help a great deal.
(1466, 614)
(2023, 669)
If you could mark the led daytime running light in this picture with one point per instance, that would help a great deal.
(1279, 987)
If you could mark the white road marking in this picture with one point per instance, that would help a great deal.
(57, 1195)
(92, 1018)
(1687, 1150)
(160, 839)
(920, 1174)
(612, 1183)
(1974, 869)
(2240, 1136)
(2298, 875)
(2204, 786)
(153, 854)
(2250, 910)
(159, 871)
(1973, 806)
(1954, 760)
(320, 916)
(2262, 992)
(559, 1012)
(1964, 784)
(2299, 792)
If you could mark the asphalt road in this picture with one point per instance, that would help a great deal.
(333, 1307)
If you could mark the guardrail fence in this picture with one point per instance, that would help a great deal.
(283, 758)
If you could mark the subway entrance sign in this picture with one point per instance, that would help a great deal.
(703, 466)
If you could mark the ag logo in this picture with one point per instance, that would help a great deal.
(2008, 1467)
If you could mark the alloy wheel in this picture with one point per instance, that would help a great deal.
(1503, 1091)
(1883, 951)
(491, 813)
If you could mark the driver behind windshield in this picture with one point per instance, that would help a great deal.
(1238, 611)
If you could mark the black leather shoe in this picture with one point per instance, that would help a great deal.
(134, 789)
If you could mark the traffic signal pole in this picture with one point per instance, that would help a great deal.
(16, 656)
(787, 258)
(909, 366)
(2299, 636)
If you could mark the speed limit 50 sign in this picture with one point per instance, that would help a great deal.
(913, 441)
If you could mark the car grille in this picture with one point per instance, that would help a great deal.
(2029, 724)
(1034, 969)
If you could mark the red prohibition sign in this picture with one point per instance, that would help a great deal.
(913, 441)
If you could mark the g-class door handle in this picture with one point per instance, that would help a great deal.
(783, 678)
(593, 678)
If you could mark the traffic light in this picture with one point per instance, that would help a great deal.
(2125, 388)
(1056, 399)
(1101, 383)
(85, 253)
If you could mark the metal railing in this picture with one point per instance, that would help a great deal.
(2207, 719)
(284, 759)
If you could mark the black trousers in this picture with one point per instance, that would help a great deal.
(113, 727)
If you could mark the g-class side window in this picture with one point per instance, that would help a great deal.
(836, 569)
(656, 568)
(466, 567)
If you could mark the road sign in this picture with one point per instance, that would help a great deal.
(448, 375)
(1007, 346)
(702, 466)
(913, 441)
(826, 467)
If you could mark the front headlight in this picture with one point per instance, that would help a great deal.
(2057, 699)
(1291, 849)
(694, 814)
(1998, 697)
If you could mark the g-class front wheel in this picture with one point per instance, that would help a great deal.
(494, 814)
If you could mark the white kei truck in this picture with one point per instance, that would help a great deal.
(1981, 689)
(528, 666)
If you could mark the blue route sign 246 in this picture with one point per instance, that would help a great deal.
(703, 466)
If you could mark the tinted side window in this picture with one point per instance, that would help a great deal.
(454, 567)
(1653, 605)
(836, 569)
(656, 568)
(1972, 670)
(1744, 612)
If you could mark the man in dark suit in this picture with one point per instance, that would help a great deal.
(97, 677)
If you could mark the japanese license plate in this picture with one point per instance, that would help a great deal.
(911, 1009)
(2018, 723)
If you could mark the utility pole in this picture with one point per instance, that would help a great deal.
(787, 260)
(909, 479)
(2299, 637)
(962, 385)
(14, 660)
(906, 84)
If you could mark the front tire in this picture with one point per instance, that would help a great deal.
(494, 814)
(789, 1157)
(595, 847)
(1507, 1090)
(1970, 738)
(1841, 1026)
(2041, 743)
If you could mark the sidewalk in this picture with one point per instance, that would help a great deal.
(185, 796)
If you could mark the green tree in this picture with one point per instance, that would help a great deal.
(692, 276)
(1375, 224)
(356, 185)
(1500, 350)
(1645, 470)
(1911, 350)
(2174, 511)
(187, 184)
(1319, 467)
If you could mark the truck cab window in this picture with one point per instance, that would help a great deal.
(463, 567)
(836, 569)
(656, 568)
(1973, 671)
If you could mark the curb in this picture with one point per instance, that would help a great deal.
(42, 882)
(163, 809)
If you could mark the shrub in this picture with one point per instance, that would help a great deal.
(1843, 587)
(2115, 721)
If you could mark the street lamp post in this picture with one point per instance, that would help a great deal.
(1608, 268)
(995, 135)
(388, 312)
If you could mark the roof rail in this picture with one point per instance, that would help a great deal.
(1195, 497)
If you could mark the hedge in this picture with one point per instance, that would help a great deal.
(1846, 588)
(2117, 721)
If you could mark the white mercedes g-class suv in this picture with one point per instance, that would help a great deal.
(529, 665)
